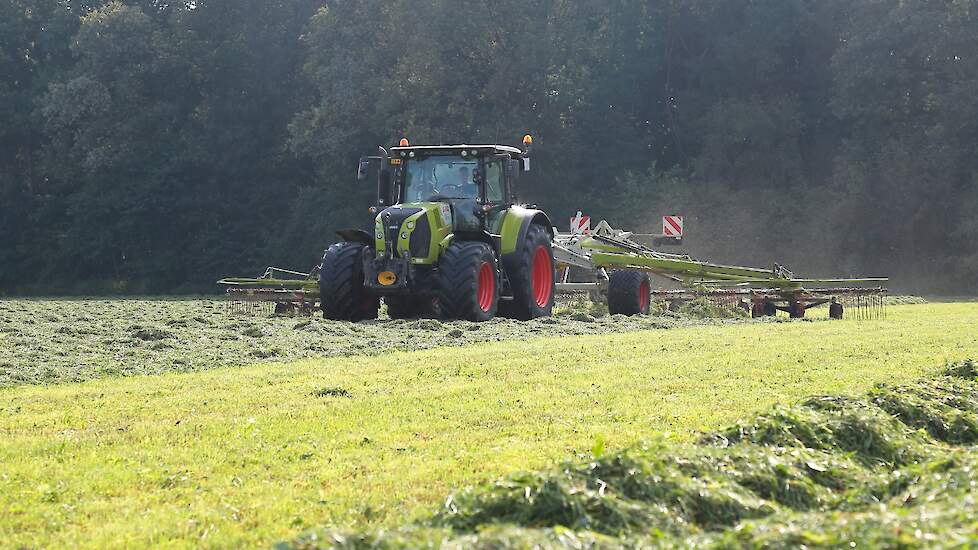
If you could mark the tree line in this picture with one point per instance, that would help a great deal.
(150, 146)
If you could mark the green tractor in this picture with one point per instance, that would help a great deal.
(450, 240)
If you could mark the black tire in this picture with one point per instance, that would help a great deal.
(341, 291)
(468, 282)
(403, 307)
(835, 310)
(757, 310)
(532, 298)
(629, 293)
(797, 310)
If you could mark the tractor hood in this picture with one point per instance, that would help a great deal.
(413, 230)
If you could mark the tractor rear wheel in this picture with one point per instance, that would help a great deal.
(629, 293)
(534, 279)
(341, 290)
(468, 282)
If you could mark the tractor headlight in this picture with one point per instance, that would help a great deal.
(410, 225)
(380, 236)
(403, 235)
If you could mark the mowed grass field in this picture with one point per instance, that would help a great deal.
(246, 456)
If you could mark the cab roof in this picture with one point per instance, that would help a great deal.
(457, 149)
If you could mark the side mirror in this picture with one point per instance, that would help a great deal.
(384, 190)
(362, 169)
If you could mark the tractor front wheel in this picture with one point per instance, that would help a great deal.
(534, 278)
(629, 293)
(468, 284)
(341, 290)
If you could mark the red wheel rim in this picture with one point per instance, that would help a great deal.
(487, 286)
(543, 276)
(643, 296)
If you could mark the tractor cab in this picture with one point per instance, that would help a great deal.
(440, 191)
(443, 211)
(476, 182)
(483, 173)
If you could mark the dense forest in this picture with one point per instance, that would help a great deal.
(149, 146)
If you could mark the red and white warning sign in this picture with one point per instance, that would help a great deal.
(672, 226)
(580, 224)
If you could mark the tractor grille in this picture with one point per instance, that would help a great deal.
(421, 238)
(393, 223)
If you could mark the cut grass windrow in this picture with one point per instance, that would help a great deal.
(897, 468)
(63, 341)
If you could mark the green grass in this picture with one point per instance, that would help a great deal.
(897, 468)
(248, 456)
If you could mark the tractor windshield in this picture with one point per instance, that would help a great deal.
(440, 177)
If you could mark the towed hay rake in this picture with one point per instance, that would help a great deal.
(596, 256)
(288, 290)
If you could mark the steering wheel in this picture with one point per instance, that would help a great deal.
(449, 190)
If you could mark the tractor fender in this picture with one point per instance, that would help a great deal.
(481, 236)
(356, 236)
(515, 226)
(445, 243)
(517, 222)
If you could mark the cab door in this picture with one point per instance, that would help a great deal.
(496, 192)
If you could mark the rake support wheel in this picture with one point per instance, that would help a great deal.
(835, 310)
(629, 293)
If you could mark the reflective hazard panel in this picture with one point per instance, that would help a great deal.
(580, 224)
(672, 226)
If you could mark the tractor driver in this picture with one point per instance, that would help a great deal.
(463, 187)
(467, 183)
(464, 178)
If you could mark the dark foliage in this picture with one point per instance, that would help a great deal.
(153, 146)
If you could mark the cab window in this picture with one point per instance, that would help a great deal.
(494, 181)
(440, 177)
